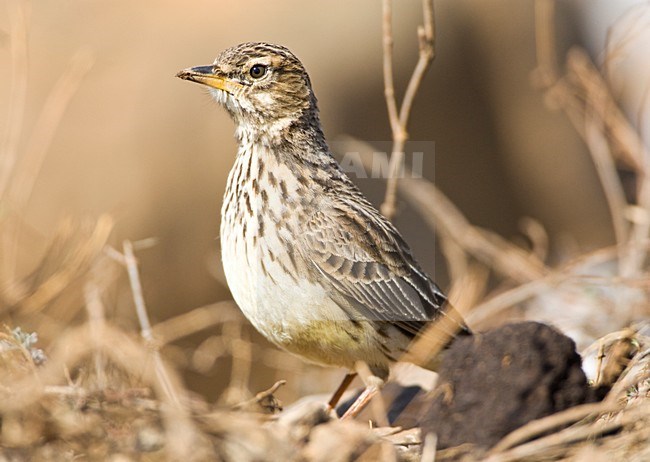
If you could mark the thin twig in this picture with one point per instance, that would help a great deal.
(606, 169)
(389, 86)
(426, 41)
(179, 428)
(145, 325)
(399, 121)
(65, 390)
(136, 288)
(546, 72)
(627, 144)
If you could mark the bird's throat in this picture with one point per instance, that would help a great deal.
(278, 133)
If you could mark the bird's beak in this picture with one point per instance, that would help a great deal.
(205, 75)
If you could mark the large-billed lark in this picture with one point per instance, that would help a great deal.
(311, 263)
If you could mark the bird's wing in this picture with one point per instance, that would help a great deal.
(365, 260)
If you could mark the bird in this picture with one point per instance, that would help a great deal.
(312, 264)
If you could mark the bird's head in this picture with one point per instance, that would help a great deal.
(264, 87)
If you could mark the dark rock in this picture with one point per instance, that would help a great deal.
(494, 382)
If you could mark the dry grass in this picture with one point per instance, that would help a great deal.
(99, 391)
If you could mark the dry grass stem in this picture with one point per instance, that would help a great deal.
(537, 235)
(196, 320)
(73, 267)
(438, 334)
(627, 144)
(594, 136)
(242, 352)
(488, 309)
(466, 291)
(96, 324)
(571, 435)
(136, 288)
(456, 258)
(554, 421)
(490, 249)
(18, 11)
(585, 97)
(628, 379)
(162, 374)
(443, 216)
(46, 126)
(17, 178)
(481, 314)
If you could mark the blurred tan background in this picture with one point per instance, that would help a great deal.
(154, 151)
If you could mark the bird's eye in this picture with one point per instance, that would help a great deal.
(257, 71)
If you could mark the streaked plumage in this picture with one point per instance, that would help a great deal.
(313, 265)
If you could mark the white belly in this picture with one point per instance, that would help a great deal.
(274, 302)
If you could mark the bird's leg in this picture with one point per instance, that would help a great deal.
(373, 386)
(347, 380)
